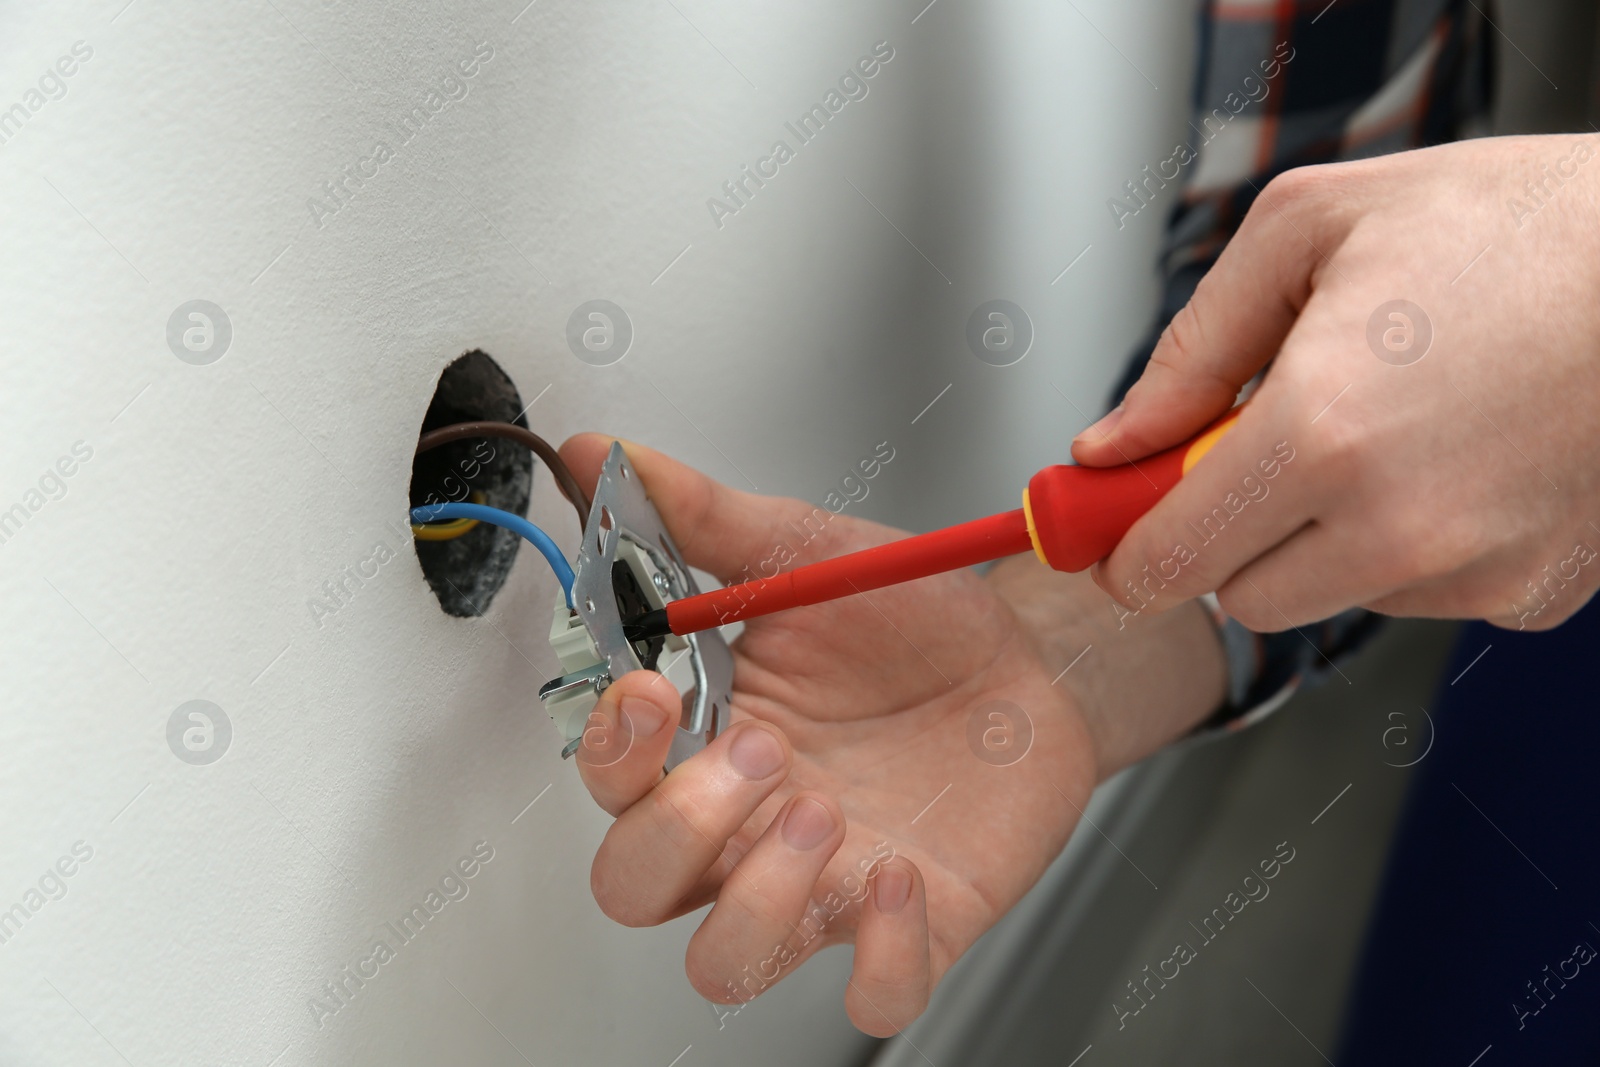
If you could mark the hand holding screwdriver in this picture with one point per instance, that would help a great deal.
(1070, 516)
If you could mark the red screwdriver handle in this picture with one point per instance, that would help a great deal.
(1077, 515)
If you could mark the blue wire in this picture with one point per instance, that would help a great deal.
(515, 523)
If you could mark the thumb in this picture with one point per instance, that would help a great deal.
(718, 529)
(1233, 325)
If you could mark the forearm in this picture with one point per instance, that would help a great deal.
(1143, 681)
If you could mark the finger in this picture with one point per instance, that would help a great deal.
(718, 529)
(1252, 490)
(1496, 591)
(892, 977)
(1317, 573)
(1426, 570)
(759, 924)
(1533, 621)
(1238, 317)
(658, 851)
(626, 737)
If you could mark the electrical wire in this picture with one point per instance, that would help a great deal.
(515, 523)
(446, 531)
(565, 481)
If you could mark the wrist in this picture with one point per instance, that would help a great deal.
(1138, 682)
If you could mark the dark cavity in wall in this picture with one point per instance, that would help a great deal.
(465, 573)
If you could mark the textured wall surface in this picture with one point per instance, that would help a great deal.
(167, 522)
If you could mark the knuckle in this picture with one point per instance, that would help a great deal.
(1299, 202)
(757, 910)
(1339, 447)
(684, 825)
(691, 531)
(1295, 186)
(1249, 608)
(1180, 358)
(1185, 335)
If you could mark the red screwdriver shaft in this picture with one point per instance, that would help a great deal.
(949, 549)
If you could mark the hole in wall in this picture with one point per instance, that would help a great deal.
(465, 573)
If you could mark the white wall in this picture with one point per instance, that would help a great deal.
(371, 753)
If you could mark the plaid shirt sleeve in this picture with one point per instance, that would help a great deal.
(1283, 84)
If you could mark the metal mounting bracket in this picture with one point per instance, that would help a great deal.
(624, 530)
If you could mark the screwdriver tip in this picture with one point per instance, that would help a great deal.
(650, 625)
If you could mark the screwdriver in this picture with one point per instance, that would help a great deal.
(1071, 517)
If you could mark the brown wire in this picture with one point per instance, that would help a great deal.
(568, 485)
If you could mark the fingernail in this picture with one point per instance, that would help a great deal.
(606, 739)
(892, 888)
(1102, 429)
(643, 718)
(807, 825)
(755, 753)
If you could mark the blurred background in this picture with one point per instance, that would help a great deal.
(778, 334)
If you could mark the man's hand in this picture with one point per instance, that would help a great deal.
(901, 768)
(1457, 477)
